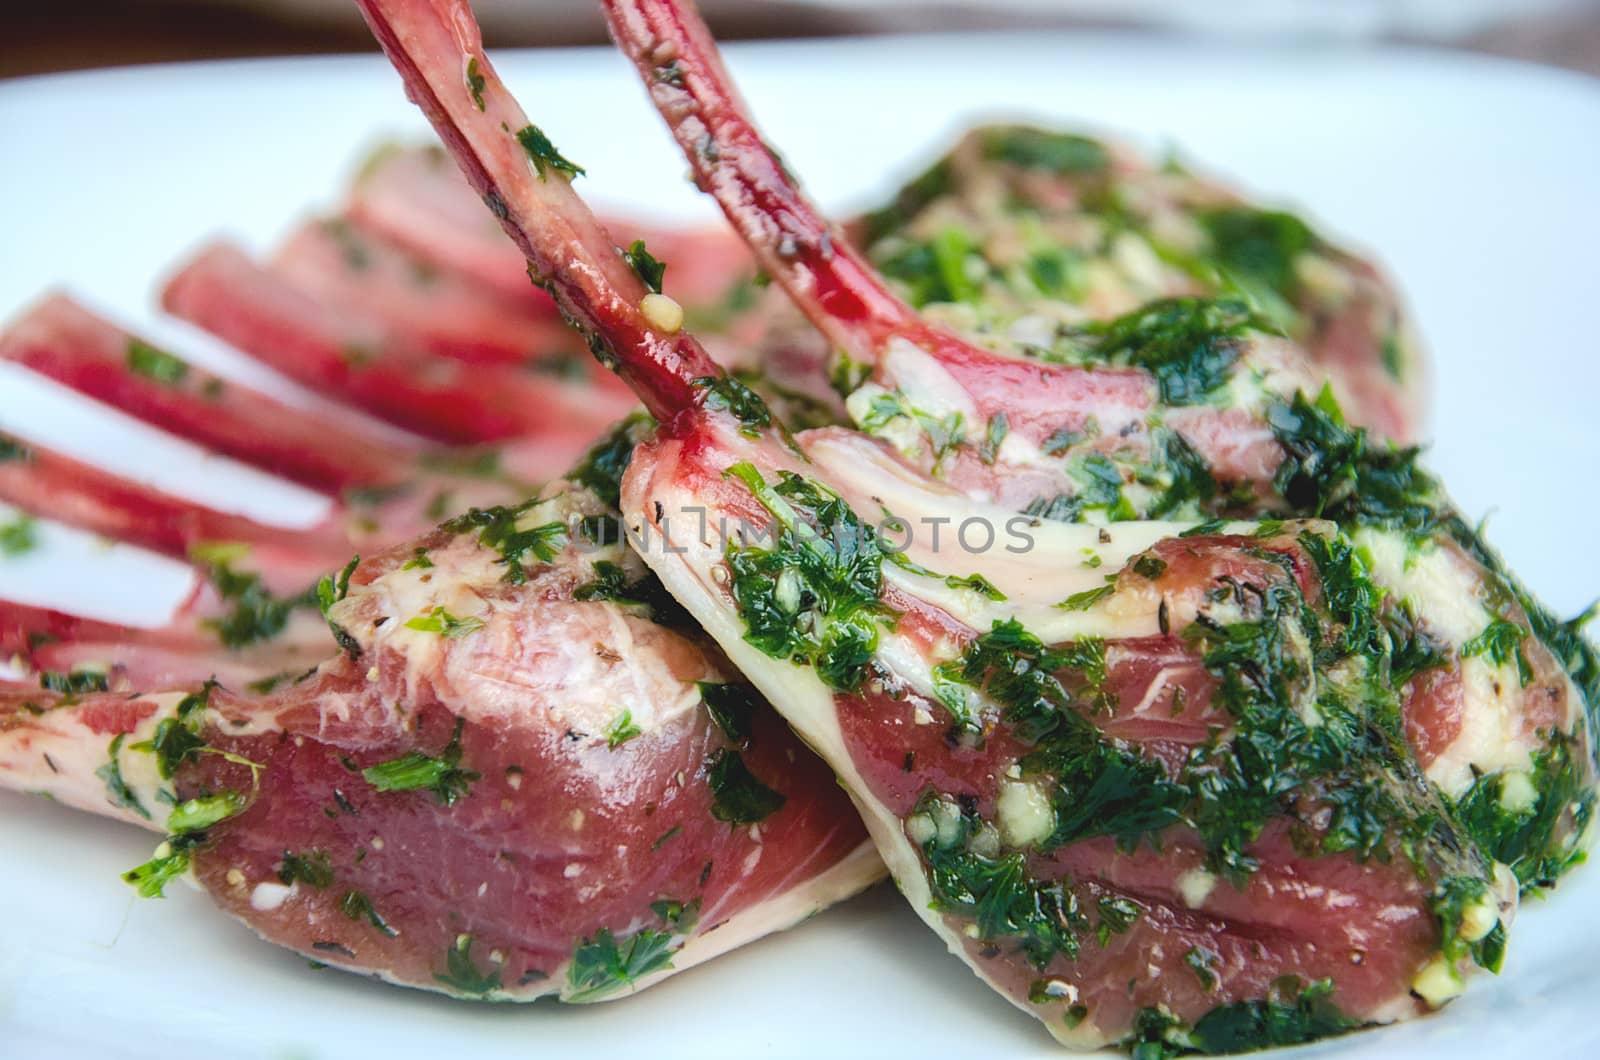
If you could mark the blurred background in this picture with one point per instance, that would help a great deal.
(76, 34)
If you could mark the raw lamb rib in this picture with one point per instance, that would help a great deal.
(525, 773)
(1179, 786)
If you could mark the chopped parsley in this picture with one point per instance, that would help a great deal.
(1501, 640)
(1002, 899)
(813, 597)
(1149, 567)
(650, 270)
(724, 393)
(1054, 152)
(731, 706)
(1289, 1015)
(621, 730)
(177, 739)
(602, 966)
(475, 83)
(313, 868)
(461, 975)
(1258, 245)
(1202, 962)
(1099, 786)
(440, 621)
(75, 683)
(199, 813)
(442, 775)
(1190, 345)
(498, 530)
(989, 450)
(155, 364)
(254, 614)
(544, 155)
(357, 906)
(13, 450)
(601, 469)
(1117, 915)
(1086, 599)
(171, 860)
(118, 793)
(18, 536)
(738, 796)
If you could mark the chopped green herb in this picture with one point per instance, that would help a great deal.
(1190, 345)
(602, 467)
(475, 82)
(75, 683)
(1116, 916)
(498, 530)
(1055, 152)
(1450, 902)
(1003, 900)
(731, 706)
(12, 450)
(1086, 599)
(727, 394)
(993, 437)
(826, 564)
(177, 739)
(118, 793)
(172, 859)
(462, 976)
(335, 587)
(1260, 245)
(1501, 640)
(18, 536)
(1149, 567)
(1202, 962)
(621, 730)
(441, 775)
(544, 155)
(440, 621)
(679, 916)
(198, 814)
(601, 966)
(357, 906)
(312, 868)
(642, 262)
(255, 615)
(738, 797)
(158, 365)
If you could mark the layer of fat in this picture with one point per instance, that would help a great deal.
(1445, 593)
(1035, 563)
(1441, 587)
(1494, 735)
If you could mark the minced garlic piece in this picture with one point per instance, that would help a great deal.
(662, 312)
(1437, 983)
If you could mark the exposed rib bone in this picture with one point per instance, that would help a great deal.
(566, 246)
(226, 293)
(65, 342)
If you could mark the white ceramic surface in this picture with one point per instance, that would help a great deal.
(1474, 179)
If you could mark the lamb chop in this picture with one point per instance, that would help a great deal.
(1155, 782)
(1028, 233)
(524, 773)
(1228, 431)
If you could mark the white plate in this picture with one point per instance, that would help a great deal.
(1475, 178)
